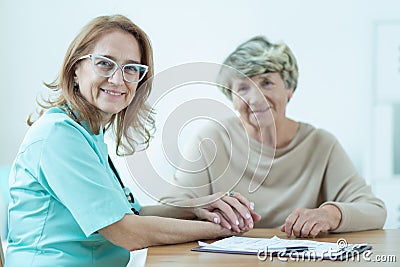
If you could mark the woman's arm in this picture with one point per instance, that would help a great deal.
(347, 190)
(232, 212)
(349, 203)
(134, 232)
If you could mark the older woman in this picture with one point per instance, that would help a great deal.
(299, 177)
(69, 206)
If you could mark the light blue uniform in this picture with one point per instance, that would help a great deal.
(62, 192)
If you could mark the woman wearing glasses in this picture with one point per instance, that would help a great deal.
(68, 206)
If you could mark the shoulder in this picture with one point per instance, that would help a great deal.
(220, 129)
(53, 119)
(309, 131)
(54, 125)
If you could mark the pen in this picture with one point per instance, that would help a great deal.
(290, 249)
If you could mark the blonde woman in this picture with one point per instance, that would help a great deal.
(69, 206)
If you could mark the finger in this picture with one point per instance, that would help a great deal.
(242, 210)
(205, 214)
(302, 216)
(311, 218)
(289, 222)
(250, 205)
(282, 228)
(244, 201)
(298, 225)
(223, 222)
(256, 217)
(307, 227)
(242, 223)
(317, 228)
(234, 227)
(227, 211)
(247, 220)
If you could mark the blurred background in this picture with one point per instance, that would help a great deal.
(348, 53)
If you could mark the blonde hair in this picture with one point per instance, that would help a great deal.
(257, 56)
(137, 116)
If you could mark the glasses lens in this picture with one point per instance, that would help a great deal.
(103, 66)
(134, 72)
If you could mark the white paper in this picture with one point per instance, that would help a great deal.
(276, 244)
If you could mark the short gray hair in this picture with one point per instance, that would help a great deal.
(257, 56)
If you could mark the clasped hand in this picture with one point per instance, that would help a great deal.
(231, 211)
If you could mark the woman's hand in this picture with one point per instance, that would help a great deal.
(310, 222)
(230, 210)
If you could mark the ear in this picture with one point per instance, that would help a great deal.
(238, 103)
(290, 93)
(77, 71)
(76, 82)
(75, 76)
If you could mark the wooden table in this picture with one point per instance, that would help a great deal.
(385, 243)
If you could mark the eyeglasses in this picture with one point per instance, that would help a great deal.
(105, 67)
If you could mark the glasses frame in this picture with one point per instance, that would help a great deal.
(122, 67)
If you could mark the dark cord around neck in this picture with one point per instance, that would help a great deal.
(127, 192)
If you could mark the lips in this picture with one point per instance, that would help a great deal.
(112, 92)
(259, 111)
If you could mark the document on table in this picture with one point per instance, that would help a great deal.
(276, 246)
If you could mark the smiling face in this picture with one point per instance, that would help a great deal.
(261, 100)
(113, 94)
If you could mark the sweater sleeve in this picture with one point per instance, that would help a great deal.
(192, 179)
(344, 188)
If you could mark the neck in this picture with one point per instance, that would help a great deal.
(278, 135)
(105, 119)
(104, 123)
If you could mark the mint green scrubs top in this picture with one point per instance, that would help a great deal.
(62, 192)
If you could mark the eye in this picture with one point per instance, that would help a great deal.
(266, 83)
(132, 69)
(104, 64)
(242, 89)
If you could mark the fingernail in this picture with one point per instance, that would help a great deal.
(247, 215)
(252, 205)
(250, 225)
(237, 222)
(215, 219)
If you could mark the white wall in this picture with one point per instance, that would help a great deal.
(333, 42)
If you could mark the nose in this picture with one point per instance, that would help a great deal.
(255, 97)
(117, 78)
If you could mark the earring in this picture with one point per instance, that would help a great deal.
(76, 86)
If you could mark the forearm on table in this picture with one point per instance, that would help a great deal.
(168, 211)
(180, 208)
(358, 216)
(137, 232)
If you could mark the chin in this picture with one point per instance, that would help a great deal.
(112, 109)
(262, 123)
(109, 113)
